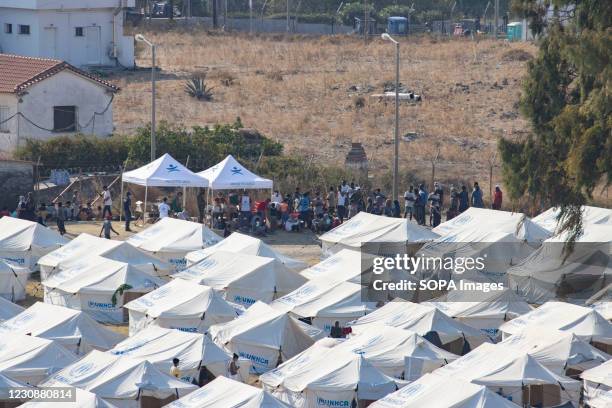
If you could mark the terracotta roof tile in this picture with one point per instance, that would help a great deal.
(18, 72)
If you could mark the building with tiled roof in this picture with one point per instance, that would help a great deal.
(42, 98)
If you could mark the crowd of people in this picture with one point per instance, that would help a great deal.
(318, 211)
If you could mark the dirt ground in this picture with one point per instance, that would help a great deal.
(303, 246)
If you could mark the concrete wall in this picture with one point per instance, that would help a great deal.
(8, 139)
(16, 178)
(52, 35)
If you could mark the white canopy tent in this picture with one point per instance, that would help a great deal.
(100, 289)
(30, 359)
(23, 242)
(549, 274)
(229, 174)
(484, 311)
(435, 392)
(172, 239)
(337, 378)
(8, 309)
(13, 281)
(76, 254)
(72, 329)
(180, 305)
(513, 375)
(422, 319)
(83, 399)
(485, 220)
(223, 392)
(584, 322)
(194, 351)
(245, 244)
(325, 302)
(598, 386)
(165, 171)
(122, 381)
(243, 279)
(265, 336)
(375, 234)
(590, 216)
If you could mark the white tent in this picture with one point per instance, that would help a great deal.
(590, 216)
(375, 234)
(23, 242)
(122, 381)
(83, 399)
(604, 308)
(77, 252)
(422, 319)
(344, 265)
(13, 281)
(325, 302)
(435, 392)
(584, 322)
(265, 336)
(514, 375)
(31, 359)
(484, 311)
(486, 220)
(226, 393)
(8, 309)
(598, 386)
(558, 351)
(231, 175)
(7, 385)
(248, 245)
(171, 239)
(100, 289)
(181, 305)
(336, 379)
(194, 351)
(72, 329)
(549, 273)
(244, 279)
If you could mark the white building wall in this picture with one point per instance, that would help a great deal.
(8, 139)
(16, 43)
(62, 89)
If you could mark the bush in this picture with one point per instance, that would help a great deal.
(353, 10)
(393, 11)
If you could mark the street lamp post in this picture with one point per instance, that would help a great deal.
(387, 37)
(141, 38)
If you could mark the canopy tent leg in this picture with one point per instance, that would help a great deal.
(144, 210)
(121, 201)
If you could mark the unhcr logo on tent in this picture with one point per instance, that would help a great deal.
(99, 305)
(160, 293)
(172, 168)
(129, 348)
(18, 321)
(80, 369)
(236, 171)
(324, 402)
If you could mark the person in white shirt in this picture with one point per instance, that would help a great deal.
(277, 198)
(341, 204)
(410, 198)
(344, 188)
(107, 202)
(164, 208)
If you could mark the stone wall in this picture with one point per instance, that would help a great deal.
(16, 178)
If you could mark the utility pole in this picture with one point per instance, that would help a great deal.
(214, 14)
(365, 22)
(496, 22)
(288, 29)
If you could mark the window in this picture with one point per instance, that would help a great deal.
(64, 118)
(8, 28)
(24, 29)
(4, 122)
(78, 31)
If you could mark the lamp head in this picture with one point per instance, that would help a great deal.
(385, 36)
(139, 37)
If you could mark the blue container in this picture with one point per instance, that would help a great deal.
(514, 31)
(397, 25)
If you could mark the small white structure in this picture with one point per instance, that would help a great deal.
(31, 359)
(265, 336)
(223, 392)
(180, 305)
(8, 310)
(598, 386)
(82, 32)
(590, 215)
(77, 252)
(83, 399)
(43, 98)
(100, 289)
(172, 239)
(13, 281)
(243, 279)
(194, 351)
(23, 242)
(74, 330)
(248, 245)
(122, 381)
(229, 174)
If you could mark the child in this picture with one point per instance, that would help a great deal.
(107, 227)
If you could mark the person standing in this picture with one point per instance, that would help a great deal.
(331, 200)
(175, 371)
(233, 369)
(30, 207)
(127, 210)
(107, 202)
(60, 218)
(341, 207)
(177, 203)
(76, 204)
(420, 204)
(164, 208)
(277, 197)
(477, 197)
(497, 198)
(409, 199)
(107, 227)
(464, 201)
(201, 199)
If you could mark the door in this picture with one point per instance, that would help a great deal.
(49, 42)
(92, 45)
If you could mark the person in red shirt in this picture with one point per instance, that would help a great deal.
(497, 198)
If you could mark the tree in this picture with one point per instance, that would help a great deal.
(566, 97)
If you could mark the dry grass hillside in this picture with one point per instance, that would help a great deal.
(313, 94)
